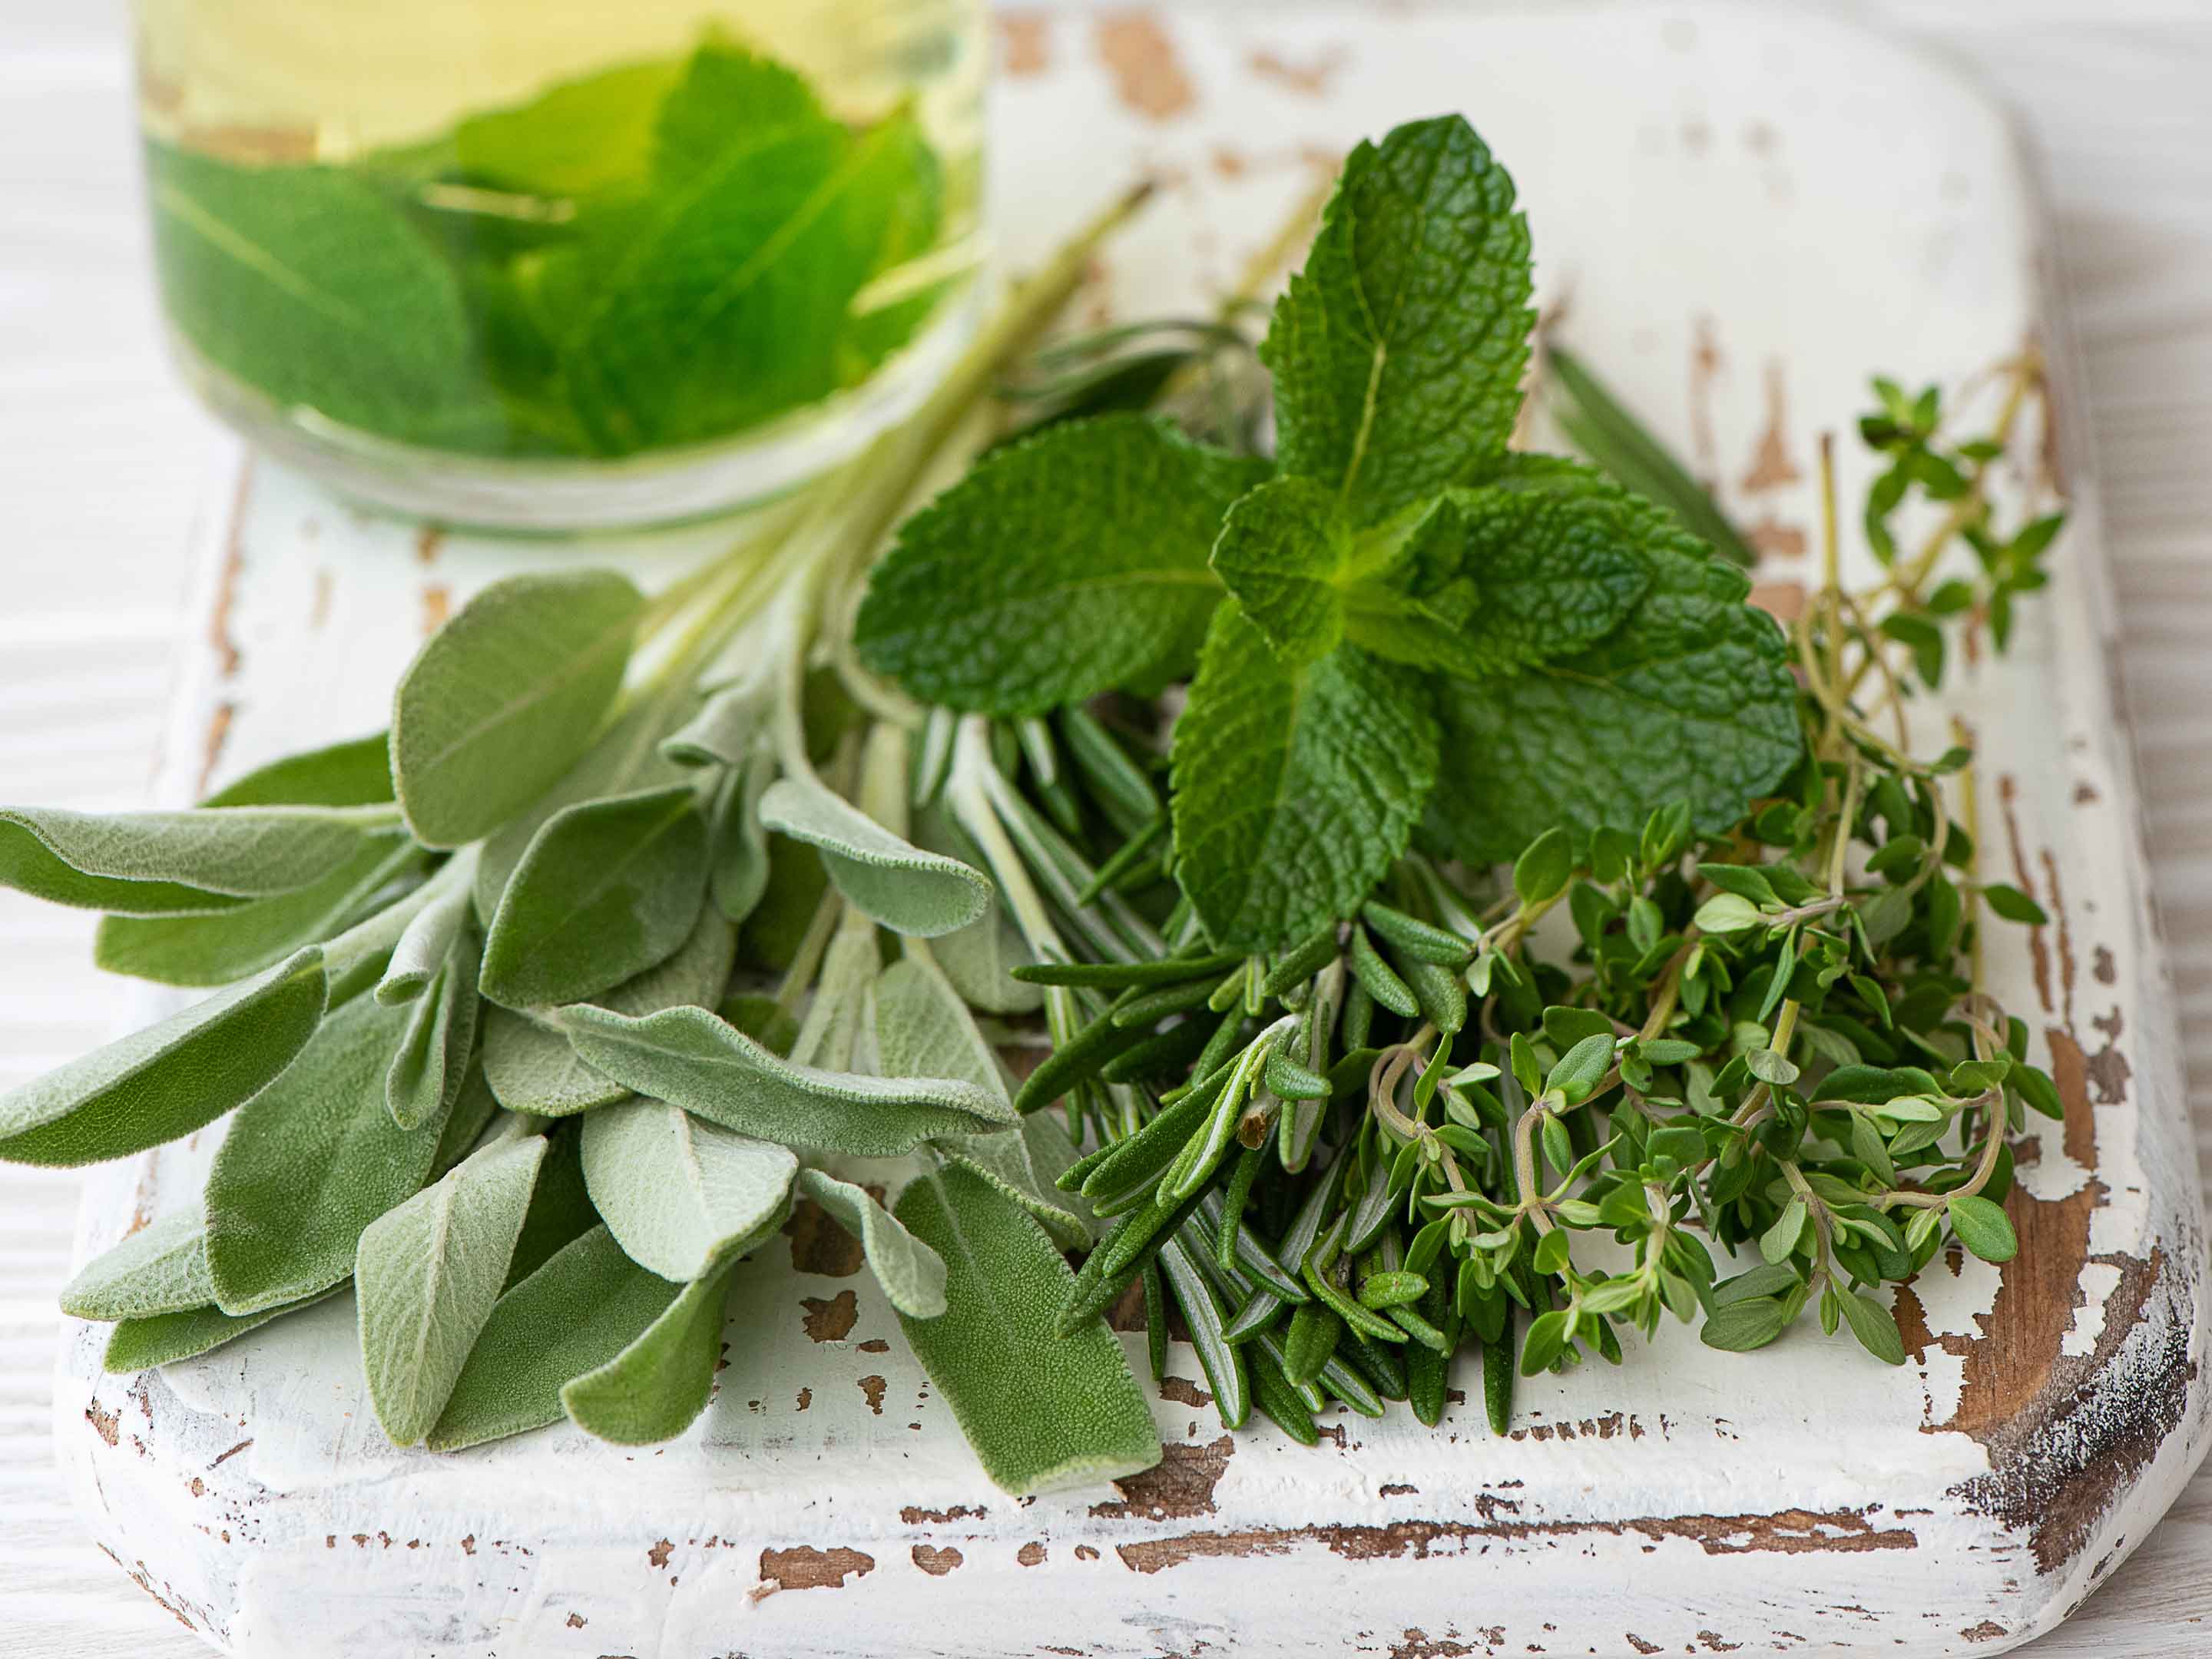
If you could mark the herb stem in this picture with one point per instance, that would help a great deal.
(2026, 374)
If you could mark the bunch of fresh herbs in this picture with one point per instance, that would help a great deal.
(658, 254)
(1442, 909)
(1408, 693)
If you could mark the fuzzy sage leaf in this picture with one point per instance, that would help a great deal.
(139, 1344)
(579, 1310)
(159, 1269)
(899, 885)
(506, 698)
(533, 1067)
(1043, 1413)
(310, 1162)
(171, 1078)
(911, 1273)
(691, 1059)
(427, 1275)
(652, 1390)
(608, 889)
(230, 945)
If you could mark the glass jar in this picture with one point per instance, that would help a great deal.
(554, 265)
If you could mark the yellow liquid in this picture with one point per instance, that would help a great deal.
(234, 92)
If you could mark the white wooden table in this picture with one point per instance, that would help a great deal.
(103, 460)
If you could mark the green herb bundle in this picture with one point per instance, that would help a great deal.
(1296, 753)
(1412, 858)
(658, 254)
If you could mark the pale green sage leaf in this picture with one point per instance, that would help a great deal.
(427, 1275)
(429, 937)
(139, 1344)
(690, 1058)
(215, 950)
(911, 1273)
(310, 1162)
(160, 1268)
(233, 852)
(425, 1076)
(903, 887)
(1043, 1411)
(608, 889)
(681, 1196)
(506, 698)
(654, 1387)
(533, 1067)
(582, 1307)
(179, 1075)
(355, 773)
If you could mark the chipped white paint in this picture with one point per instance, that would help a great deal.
(1805, 205)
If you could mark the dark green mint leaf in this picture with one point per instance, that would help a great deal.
(1290, 563)
(1397, 352)
(308, 284)
(724, 296)
(1691, 698)
(1294, 789)
(1489, 580)
(581, 138)
(1069, 563)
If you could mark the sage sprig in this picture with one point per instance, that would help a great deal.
(531, 903)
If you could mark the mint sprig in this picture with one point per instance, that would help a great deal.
(1585, 659)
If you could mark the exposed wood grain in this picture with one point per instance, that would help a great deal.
(102, 459)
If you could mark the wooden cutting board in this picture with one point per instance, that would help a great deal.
(1749, 213)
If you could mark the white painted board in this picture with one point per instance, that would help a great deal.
(1751, 213)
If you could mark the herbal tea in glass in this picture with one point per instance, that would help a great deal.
(557, 263)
